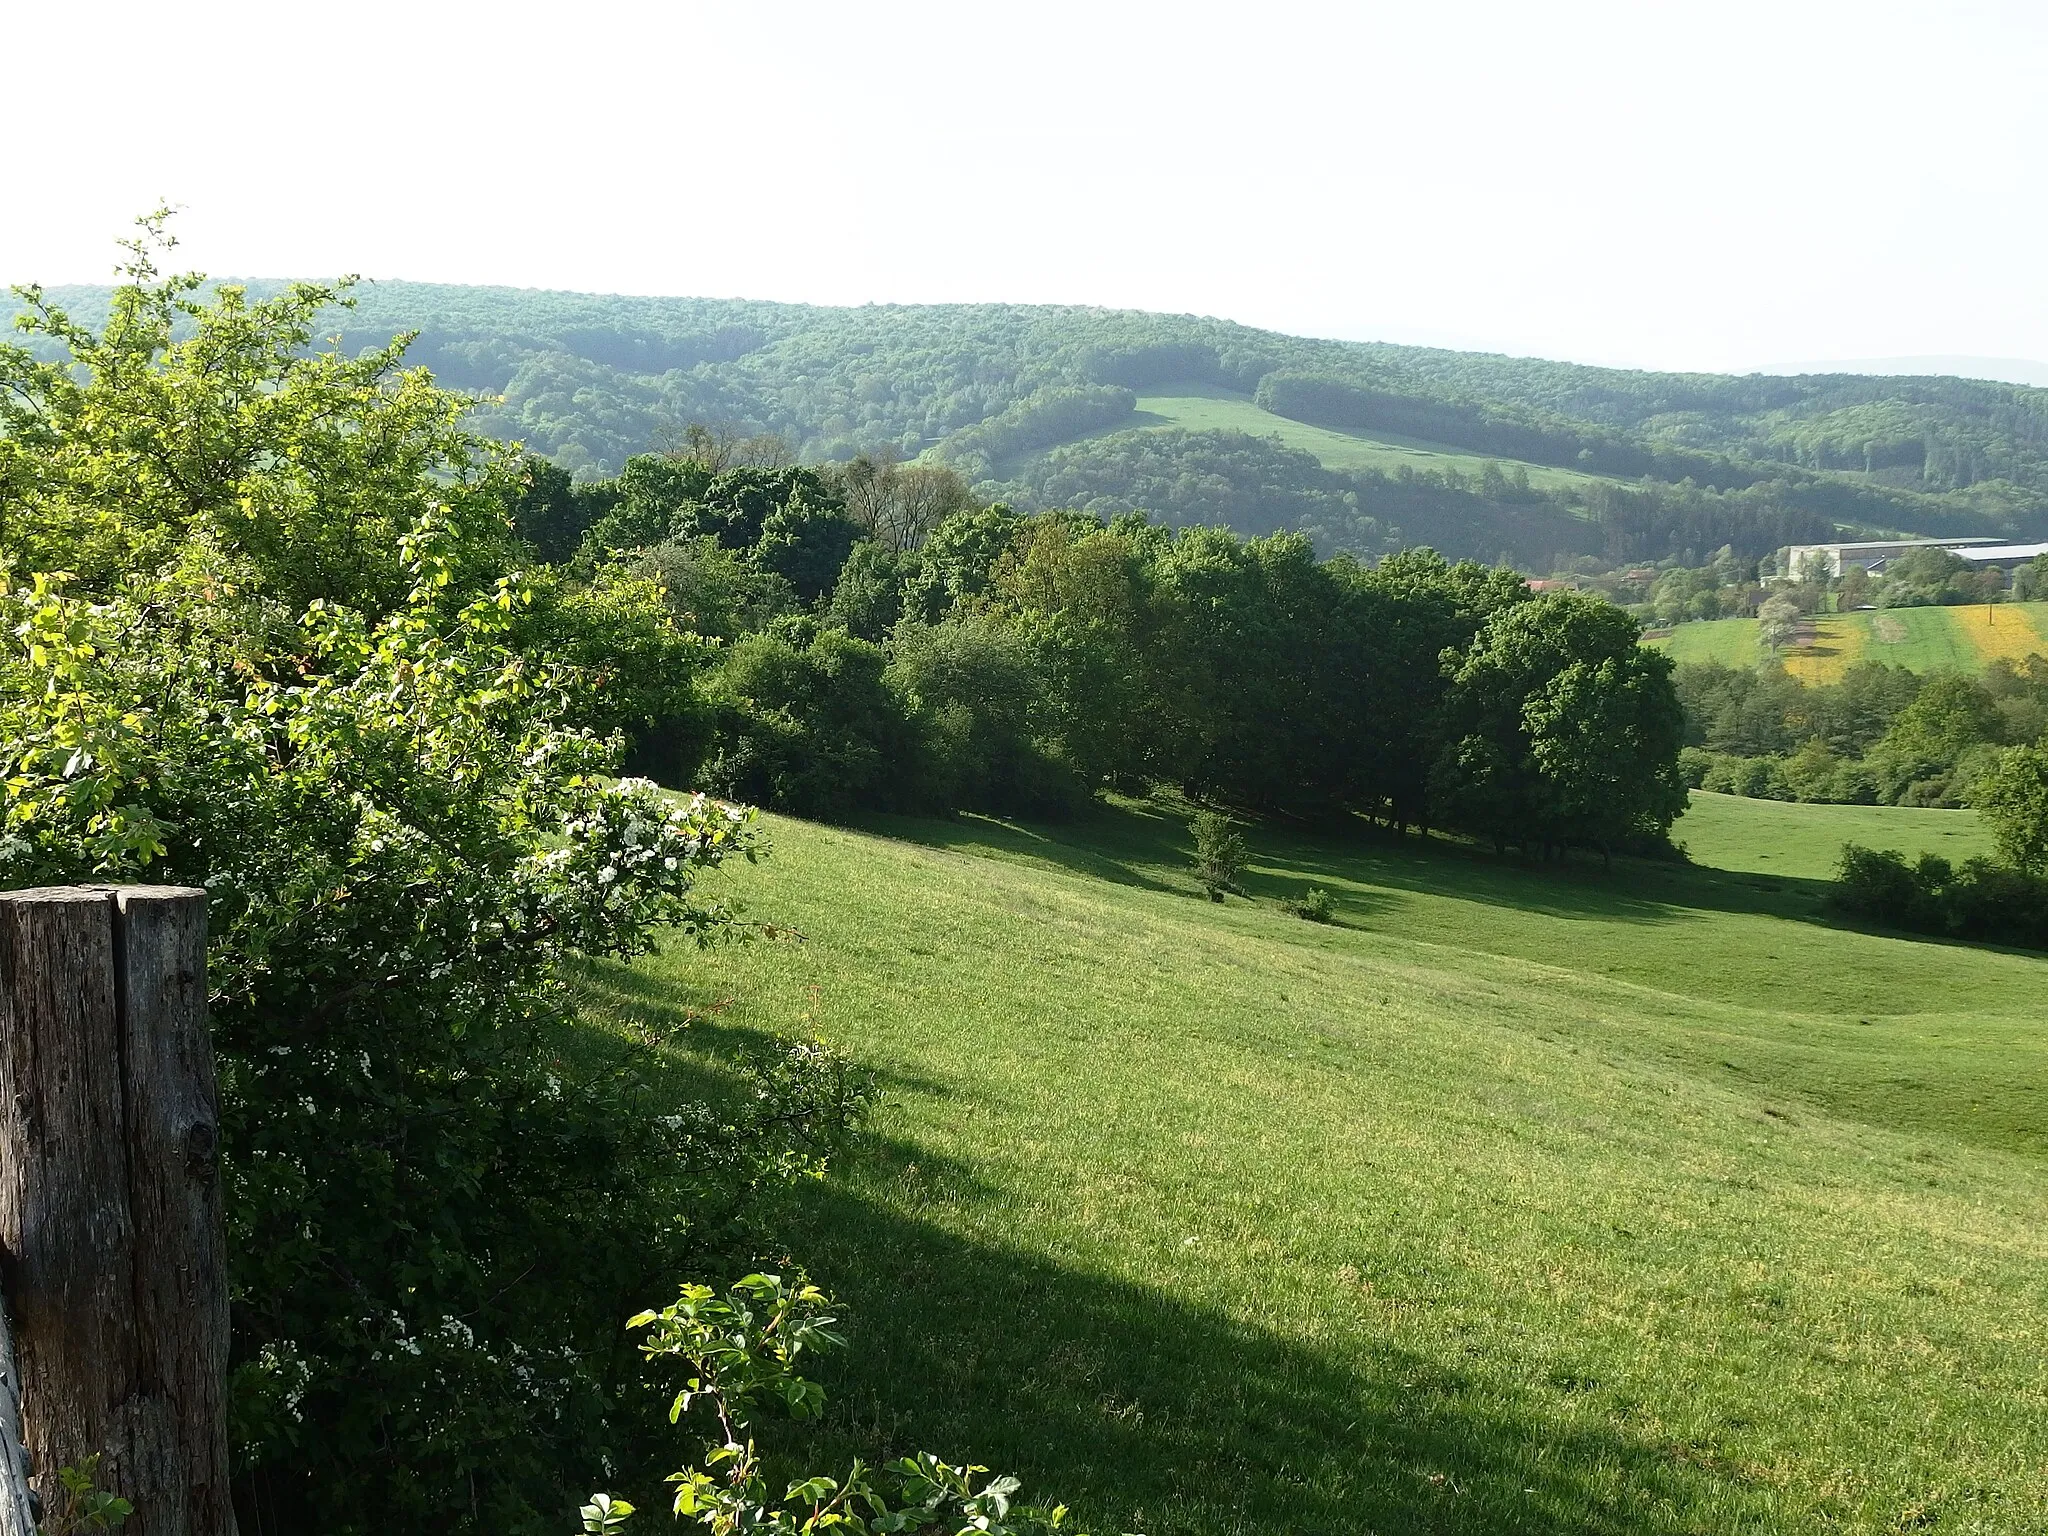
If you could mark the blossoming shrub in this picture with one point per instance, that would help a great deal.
(438, 1213)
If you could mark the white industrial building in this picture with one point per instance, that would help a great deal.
(2003, 554)
(1874, 554)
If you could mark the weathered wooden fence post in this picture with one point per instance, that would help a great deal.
(112, 1256)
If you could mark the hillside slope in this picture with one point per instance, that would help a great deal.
(1515, 1202)
(1711, 459)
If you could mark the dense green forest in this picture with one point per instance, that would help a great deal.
(1037, 405)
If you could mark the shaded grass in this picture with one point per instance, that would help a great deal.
(1515, 1201)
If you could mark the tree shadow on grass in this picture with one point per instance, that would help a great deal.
(1124, 847)
(653, 1019)
(1134, 844)
(1148, 1414)
(1633, 890)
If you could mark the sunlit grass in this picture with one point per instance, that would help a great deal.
(1731, 642)
(1805, 841)
(1515, 1201)
(1924, 639)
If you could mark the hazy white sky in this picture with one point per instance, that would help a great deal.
(1716, 183)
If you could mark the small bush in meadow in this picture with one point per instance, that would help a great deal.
(1312, 905)
(1220, 853)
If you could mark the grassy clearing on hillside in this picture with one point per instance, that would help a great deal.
(1732, 642)
(1924, 639)
(1515, 1201)
(1205, 408)
(1775, 837)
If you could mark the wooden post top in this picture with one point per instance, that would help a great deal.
(121, 893)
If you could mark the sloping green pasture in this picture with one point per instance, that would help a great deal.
(1515, 1201)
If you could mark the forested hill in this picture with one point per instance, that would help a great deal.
(1365, 446)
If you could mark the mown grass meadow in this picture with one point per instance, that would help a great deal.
(1513, 1200)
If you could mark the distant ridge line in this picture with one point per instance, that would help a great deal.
(1968, 367)
(1995, 370)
